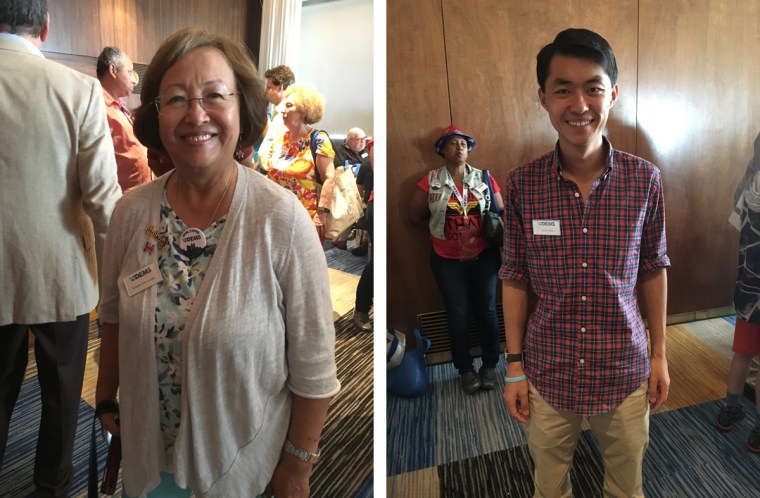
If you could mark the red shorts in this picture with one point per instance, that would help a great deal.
(746, 337)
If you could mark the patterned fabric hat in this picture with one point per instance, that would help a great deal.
(449, 132)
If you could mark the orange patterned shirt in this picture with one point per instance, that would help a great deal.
(293, 167)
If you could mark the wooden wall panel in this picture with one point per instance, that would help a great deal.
(688, 102)
(227, 17)
(132, 25)
(84, 27)
(489, 69)
(418, 109)
(699, 113)
(492, 72)
(74, 27)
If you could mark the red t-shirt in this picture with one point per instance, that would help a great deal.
(462, 234)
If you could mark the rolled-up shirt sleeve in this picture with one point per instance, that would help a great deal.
(514, 266)
(654, 247)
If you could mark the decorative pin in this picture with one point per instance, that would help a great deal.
(161, 239)
(192, 242)
(148, 248)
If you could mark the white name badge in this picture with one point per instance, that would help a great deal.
(142, 279)
(546, 227)
(365, 154)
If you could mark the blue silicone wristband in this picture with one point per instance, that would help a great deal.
(515, 379)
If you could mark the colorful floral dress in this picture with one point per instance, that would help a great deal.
(293, 167)
(182, 276)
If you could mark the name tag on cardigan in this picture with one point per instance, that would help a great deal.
(142, 279)
(546, 227)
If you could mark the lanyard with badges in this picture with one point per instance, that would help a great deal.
(462, 198)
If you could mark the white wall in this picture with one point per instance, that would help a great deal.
(336, 56)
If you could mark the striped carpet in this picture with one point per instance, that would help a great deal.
(343, 260)
(446, 444)
(344, 471)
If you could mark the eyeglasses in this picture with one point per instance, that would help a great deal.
(179, 104)
(358, 139)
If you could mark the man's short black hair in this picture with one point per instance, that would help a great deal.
(23, 17)
(581, 43)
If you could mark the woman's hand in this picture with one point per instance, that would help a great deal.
(320, 221)
(290, 479)
(108, 421)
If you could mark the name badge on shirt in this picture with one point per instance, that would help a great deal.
(364, 154)
(142, 279)
(546, 227)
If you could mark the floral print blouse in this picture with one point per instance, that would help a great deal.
(182, 276)
(293, 167)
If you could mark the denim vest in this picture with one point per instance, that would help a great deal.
(440, 191)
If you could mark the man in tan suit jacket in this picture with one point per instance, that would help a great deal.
(57, 182)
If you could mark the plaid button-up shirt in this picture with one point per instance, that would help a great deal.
(585, 344)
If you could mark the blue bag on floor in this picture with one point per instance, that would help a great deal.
(409, 378)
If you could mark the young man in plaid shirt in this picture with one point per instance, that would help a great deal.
(585, 227)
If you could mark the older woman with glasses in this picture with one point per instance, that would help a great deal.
(302, 157)
(218, 332)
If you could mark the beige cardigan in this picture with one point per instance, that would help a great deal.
(262, 329)
(57, 181)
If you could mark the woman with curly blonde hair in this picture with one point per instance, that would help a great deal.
(302, 157)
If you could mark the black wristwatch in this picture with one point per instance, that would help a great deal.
(513, 358)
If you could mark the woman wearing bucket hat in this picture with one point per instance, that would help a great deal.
(449, 202)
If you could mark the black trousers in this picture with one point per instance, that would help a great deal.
(365, 287)
(60, 350)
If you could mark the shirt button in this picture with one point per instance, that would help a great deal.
(583, 329)
(584, 264)
(582, 361)
(583, 298)
(577, 195)
(585, 230)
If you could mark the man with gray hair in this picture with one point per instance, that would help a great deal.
(118, 78)
(354, 153)
(58, 182)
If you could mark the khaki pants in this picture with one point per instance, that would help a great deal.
(622, 435)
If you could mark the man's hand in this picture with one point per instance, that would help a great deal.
(659, 383)
(516, 394)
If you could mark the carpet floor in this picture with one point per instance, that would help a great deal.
(447, 444)
(343, 260)
(345, 469)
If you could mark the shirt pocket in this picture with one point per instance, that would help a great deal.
(547, 260)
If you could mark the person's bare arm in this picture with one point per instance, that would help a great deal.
(419, 211)
(514, 296)
(326, 170)
(108, 374)
(291, 475)
(653, 295)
